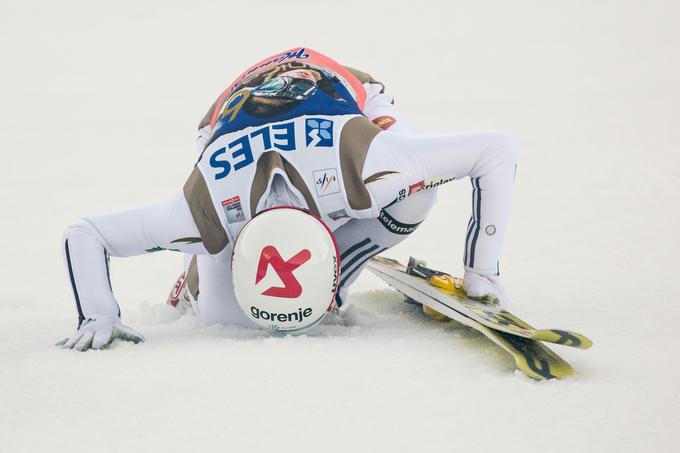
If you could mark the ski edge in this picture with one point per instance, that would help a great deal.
(521, 328)
(532, 358)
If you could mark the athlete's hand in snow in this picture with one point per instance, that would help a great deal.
(100, 333)
(484, 287)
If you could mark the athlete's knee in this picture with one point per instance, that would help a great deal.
(415, 208)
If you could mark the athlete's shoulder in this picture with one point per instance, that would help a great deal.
(365, 78)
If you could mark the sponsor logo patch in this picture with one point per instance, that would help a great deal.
(233, 210)
(299, 53)
(417, 187)
(395, 226)
(291, 288)
(299, 315)
(430, 183)
(240, 153)
(326, 181)
(339, 214)
(384, 122)
(319, 132)
(335, 280)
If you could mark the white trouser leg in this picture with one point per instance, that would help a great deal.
(361, 239)
(216, 299)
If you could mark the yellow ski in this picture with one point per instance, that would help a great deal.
(439, 294)
(485, 313)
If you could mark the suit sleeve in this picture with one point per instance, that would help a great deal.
(89, 242)
(398, 165)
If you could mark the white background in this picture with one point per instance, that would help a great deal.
(99, 104)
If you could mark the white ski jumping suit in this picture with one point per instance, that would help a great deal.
(299, 129)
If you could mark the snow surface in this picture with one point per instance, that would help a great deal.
(99, 105)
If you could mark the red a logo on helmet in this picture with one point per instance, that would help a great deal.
(291, 287)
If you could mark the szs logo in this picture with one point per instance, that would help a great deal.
(291, 288)
(233, 210)
(326, 181)
(319, 132)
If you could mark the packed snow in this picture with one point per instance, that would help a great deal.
(99, 108)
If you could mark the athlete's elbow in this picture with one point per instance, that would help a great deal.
(505, 147)
(78, 229)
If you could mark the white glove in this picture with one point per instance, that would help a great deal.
(100, 333)
(484, 287)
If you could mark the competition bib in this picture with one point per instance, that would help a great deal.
(283, 115)
(305, 150)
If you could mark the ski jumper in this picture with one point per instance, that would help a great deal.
(298, 129)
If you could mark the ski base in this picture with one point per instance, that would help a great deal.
(531, 357)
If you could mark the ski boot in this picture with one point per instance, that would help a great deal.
(179, 297)
(418, 268)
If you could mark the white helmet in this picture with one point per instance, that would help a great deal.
(285, 269)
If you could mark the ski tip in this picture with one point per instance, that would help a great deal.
(554, 371)
(563, 337)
